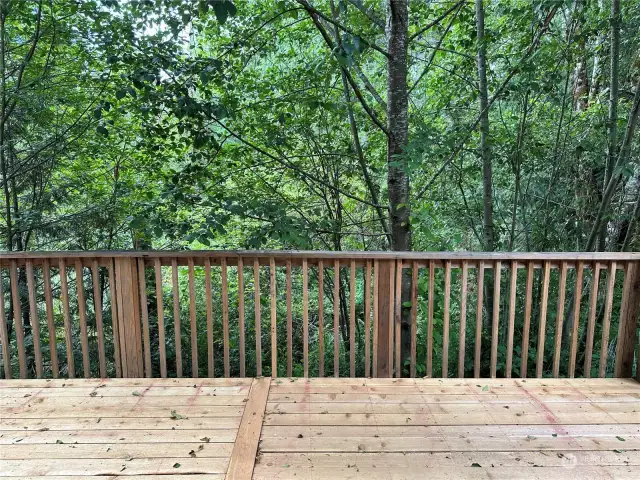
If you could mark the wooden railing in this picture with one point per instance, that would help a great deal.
(285, 313)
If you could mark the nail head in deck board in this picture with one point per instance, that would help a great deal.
(246, 445)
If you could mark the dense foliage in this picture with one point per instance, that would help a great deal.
(190, 124)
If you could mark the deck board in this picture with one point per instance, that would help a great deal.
(319, 428)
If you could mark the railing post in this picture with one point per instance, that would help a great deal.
(385, 313)
(628, 328)
(128, 317)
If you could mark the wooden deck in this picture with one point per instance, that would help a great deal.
(318, 429)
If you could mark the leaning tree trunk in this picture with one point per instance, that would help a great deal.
(398, 133)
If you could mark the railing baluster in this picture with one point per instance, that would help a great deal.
(209, 306)
(562, 286)
(4, 334)
(376, 326)
(289, 322)
(82, 314)
(391, 317)
(591, 321)
(51, 327)
(543, 318)
(305, 317)
(64, 291)
(628, 326)
(398, 317)
(241, 317)
(114, 318)
(414, 318)
(430, 294)
(527, 321)
(225, 316)
(320, 319)
(464, 291)
(478, 341)
(336, 318)
(193, 318)
(17, 318)
(176, 316)
(274, 326)
(606, 323)
(512, 316)
(144, 310)
(35, 320)
(495, 324)
(160, 307)
(445, 319)
(352, 319)
(97, 307)
(257, 325)
(576, 319)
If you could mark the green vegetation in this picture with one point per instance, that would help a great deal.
(319, 124)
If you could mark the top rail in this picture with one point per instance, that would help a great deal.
(317, 313)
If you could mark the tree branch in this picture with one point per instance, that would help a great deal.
(437, 20)
(317, 12)
(527, 54)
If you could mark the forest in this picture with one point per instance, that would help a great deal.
(340, 125)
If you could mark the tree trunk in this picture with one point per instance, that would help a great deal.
(612, 117)
(487, 175)
(398, 132)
